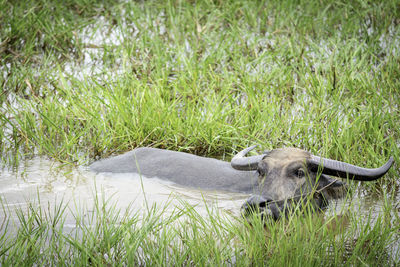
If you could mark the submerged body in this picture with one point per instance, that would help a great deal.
(181, 168)
(278, 180)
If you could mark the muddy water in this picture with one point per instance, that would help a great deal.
(50, 182)
(44, 182)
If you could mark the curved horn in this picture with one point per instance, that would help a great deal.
(344, 170)
(240, 162)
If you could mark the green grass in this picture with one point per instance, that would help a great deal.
(207, 79)
(82, 80)
(104, 235)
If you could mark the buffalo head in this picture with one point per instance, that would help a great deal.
(289, 176)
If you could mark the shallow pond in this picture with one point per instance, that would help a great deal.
(50, 182)
(46, 183)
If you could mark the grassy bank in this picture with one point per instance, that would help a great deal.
(82, 80)
(208, 78)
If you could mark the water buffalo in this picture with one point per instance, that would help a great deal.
(276, 179)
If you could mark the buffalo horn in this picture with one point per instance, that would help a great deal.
(240, 162)
(346, 170)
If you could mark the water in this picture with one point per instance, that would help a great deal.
(51, 182)
(46, 183)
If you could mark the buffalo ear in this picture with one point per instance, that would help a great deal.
(262, 168)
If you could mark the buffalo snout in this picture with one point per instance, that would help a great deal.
(266, 207)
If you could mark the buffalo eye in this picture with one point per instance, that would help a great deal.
(299, 173)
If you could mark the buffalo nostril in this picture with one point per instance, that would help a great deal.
(263, 204)
(255, 201)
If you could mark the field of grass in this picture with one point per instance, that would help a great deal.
(81, 80)
(111, 237)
